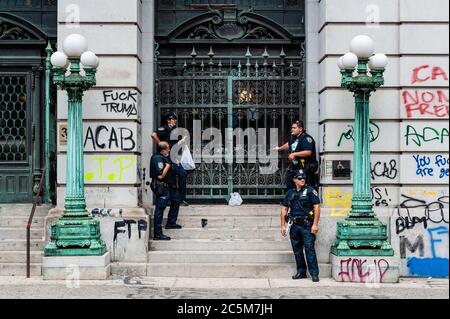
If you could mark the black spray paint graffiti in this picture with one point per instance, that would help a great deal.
(348, 135)
(381, 197)
(412, 248)
(101, 212)
(120, 225)
(120, 103)
(120, 138)
(434, 213)
(384, 170)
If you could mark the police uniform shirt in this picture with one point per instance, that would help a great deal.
(301, 143)
(163, 134)
(302, 202)
(157, 165)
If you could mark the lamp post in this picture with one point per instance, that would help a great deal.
(362, 234)
(76, 233)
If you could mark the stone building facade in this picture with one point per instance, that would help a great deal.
(410, 158)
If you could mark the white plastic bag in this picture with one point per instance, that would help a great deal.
(186, 159)
(235, 200)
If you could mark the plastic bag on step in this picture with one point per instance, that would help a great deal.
(235, 200)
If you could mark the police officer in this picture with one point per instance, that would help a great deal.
(302, 155)
(163, 135)
(164, 185)
(303, 204)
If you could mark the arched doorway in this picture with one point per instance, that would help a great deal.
(232, 69)
(22, 62)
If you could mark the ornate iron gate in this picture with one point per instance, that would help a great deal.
(255, 91)
(15, 138)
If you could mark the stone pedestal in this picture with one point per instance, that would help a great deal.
(365, 269)
(77, 267)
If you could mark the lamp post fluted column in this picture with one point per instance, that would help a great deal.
(361, 233)
(76, 233)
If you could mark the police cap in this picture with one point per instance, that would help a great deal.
(300, 174)
(170, 116)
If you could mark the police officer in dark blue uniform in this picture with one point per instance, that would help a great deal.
(164, 185)
(303, 205)
(302, 155)
(163, 135)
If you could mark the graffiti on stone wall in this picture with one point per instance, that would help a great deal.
(432, 166)
(340, 200)
(361, 271)
(421, 224)
(384, 169)
(349, 134)
(431, 104)
(110, 168)
(420, 136)
(124, 102)
(101, 137)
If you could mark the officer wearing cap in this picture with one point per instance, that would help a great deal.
(163, 135)
(302, 155)
(164, 185)
(303, 205)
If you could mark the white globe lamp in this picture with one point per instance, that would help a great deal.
(362, 46)
(89, 59)
(59, 60)
(74, 45)
(349, 61)
(378, 61)
(340, 63)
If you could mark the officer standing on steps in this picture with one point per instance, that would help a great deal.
(162, 134)
(164, 185)
(303, 204)
(302, 155)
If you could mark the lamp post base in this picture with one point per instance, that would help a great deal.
(75, 237)
(363, 236)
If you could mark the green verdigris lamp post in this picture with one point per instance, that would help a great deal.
(362, 235)
(76, 233)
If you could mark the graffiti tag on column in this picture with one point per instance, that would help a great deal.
(424, 135)
(420, 103)
(122, 103)
(433, 213)
(427, 166)
(115, 173)
(349, 134)
(357, 270)
(384, 169)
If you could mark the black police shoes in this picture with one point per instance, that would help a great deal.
(315, 279)
(184, 204)
(299, 276)
(176, 226)
(162, 237)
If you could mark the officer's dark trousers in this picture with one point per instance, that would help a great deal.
(301, 238)
(182, 181)
(170, 194)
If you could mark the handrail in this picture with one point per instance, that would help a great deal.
(30, 219)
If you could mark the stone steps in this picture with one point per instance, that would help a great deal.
(23, 210)
(228, 270)
(228, 257)
(226, 211)
(20, 256)
(220, 245)
(189, 221)
(20, 222)
(21, 245)
(224, 234)
(21, 233)
(19, 269)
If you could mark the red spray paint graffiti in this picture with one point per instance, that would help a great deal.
(356, 270)
(424, 103)
(426, 73)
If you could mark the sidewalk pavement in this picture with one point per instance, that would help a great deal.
(227, 288)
